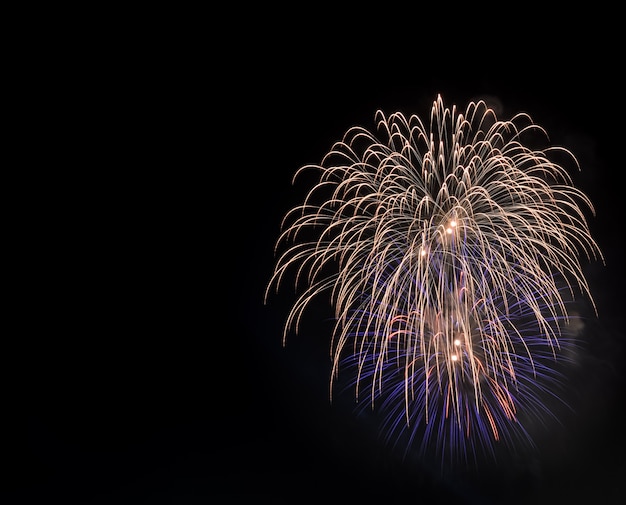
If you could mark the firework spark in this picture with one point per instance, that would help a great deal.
(451, 251)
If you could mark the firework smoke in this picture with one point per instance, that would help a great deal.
(451, 251)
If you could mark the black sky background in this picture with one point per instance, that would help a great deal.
(145, 367)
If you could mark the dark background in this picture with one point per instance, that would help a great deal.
(144, 366)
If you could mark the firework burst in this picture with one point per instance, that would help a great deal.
(451, 251)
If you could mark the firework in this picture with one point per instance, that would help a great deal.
(451, 250)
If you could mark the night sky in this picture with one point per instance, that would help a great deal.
(145, 368)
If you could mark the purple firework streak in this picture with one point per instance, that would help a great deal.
(451, 251)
